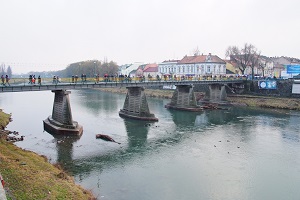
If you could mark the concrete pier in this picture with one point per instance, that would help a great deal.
(61, 122)
(184, 99)
(136, 105)
(217, 94)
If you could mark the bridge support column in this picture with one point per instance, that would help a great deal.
(184, 99)
(136, 105)
(61, 121)
(217, 93)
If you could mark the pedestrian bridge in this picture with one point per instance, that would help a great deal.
(135, 105)
(23, 87)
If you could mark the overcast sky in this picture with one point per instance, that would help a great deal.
(48, 35)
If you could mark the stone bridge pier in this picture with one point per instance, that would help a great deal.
(216, 93)
(184, 99)
(136, 105)
(61, 121)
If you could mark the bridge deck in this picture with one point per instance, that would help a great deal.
(85, 85)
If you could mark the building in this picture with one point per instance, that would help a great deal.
(232, 68)
(167, 67)
(197, 65)
(128, 68)
(280, 64)
(151, 70)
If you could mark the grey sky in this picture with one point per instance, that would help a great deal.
(48, 35)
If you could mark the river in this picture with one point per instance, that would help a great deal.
(239, 153)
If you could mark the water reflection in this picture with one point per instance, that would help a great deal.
(106, 103)
(184, 118)
(178, 151)
(137, 132)
(136, 144)
(64, 146)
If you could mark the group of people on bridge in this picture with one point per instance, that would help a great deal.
(32, 79)
(75, 78)
(5, 80)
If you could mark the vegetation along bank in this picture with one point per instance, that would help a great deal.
(28, 175)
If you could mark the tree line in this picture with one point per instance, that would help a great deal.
(5, 71)
(90, 68)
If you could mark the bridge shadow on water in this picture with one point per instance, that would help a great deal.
(139, 145)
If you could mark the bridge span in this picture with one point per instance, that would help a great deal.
(135, 105)
(23, 87)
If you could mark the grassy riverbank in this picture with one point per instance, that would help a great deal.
(266, 102)
(30, 176)
(239, 100)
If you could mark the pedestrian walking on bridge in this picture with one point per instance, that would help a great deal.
(39, 80)
(7, 79)
(3, 79)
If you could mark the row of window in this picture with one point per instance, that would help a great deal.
(199, 69)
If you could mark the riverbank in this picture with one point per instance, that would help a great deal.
(28, 175)
(236, 100)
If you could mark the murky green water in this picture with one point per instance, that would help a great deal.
(222, 154)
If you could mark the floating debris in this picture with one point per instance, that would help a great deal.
(106, 138)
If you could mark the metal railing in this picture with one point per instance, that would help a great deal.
(23, 84)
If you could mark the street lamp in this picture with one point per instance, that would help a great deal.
(94, 68)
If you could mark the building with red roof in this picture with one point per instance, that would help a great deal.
(197, 65)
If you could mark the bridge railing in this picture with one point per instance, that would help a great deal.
(26, 81)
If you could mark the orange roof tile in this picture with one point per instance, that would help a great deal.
(150, 66)
(200, 59)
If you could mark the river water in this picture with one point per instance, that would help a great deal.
(238, 153)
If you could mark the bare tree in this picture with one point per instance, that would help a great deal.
(9, 71)
(247, 56)
(3, 69)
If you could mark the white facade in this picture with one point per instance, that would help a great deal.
(194, 66)
(167, 67)
(201, 69)
(130, 68)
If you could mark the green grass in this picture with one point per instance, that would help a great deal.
(28, 175)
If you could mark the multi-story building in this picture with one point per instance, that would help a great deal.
(167, 67)
(280, 64)
(197, 65)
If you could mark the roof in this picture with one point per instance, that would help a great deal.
(200, 59)
(148, 66)
(170, 61)
(151, 69)
(229, 72)
(234, 64)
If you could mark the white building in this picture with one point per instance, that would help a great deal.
(167, 67)
(126, 69)
(197, 65)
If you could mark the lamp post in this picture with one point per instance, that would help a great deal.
(94, 68)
